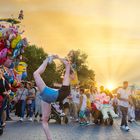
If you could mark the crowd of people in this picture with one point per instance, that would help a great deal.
(84, 106)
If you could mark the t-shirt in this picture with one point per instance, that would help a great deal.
(31, 92)
(84, 103)
(124, 93)
(22, 93)
(75, 96)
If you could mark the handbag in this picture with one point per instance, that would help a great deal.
(18, 106)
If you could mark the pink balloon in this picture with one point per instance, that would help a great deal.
(8, 62)
(3, 55)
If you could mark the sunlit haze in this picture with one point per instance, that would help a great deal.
(108, 31)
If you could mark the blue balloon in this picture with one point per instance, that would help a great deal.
(18, 49)
(24, 75)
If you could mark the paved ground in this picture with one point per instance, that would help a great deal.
(33, 131)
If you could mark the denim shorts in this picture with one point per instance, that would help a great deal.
(49, 95)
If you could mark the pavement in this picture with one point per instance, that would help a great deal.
(72, 131)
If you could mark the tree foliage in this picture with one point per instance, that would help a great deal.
(34, 57)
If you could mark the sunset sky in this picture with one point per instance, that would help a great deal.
(107, 30)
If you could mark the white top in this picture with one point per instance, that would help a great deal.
(124, 93)
(84, 103)
(75, 96)
(22, 93)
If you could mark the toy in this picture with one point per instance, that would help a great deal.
(107, 108)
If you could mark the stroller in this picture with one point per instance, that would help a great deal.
(98, 117)
(57, 114)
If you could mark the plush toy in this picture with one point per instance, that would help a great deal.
(96, 105)
(107, 108)
(21, 71)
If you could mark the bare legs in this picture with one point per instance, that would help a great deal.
(46, 108)
(46, 111)
(37, 75)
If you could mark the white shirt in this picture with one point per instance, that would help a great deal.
(124, 93)
(75, 96)
(84, 103)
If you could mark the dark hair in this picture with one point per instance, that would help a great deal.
(82, 90)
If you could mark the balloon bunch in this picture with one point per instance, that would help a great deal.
(11, 42)
(12, 46)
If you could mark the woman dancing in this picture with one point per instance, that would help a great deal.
(49, 95)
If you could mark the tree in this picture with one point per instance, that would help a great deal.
(86, 76)
(34, 57)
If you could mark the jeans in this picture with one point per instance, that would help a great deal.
(124, 111)
(23, 106)
(4, 104)
(30, 109)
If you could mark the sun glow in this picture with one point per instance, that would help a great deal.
(110, 86)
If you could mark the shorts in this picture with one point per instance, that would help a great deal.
(63, 93)
(49, 95)
(82, 114)
(87, 113)
(66, 105)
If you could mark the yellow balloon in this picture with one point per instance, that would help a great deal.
(21, 67)
(0, 34)
(15, 41)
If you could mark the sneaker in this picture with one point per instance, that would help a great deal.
(21, 119)
(30, 119)
(127, 128)
(132, 120)
(3, 124)
(77, 120)
(123, 127)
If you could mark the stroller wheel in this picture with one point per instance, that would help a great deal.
(58, 120)
(1, 131)
(111, 121)
(106, 122)
(96, 122)
(66, 120)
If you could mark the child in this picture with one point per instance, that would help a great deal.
(82, 106)
(88, 109)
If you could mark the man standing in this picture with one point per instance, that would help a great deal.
(124, 96)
